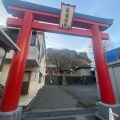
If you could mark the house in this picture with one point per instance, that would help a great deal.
(82, 70)
(34, 76)
(6, 44)
(113, 55)
(81, 75)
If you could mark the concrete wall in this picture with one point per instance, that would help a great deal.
(32, 58)
(31, 55)
(81, 72)
(85, 72)
(34, 84)
(4, 73)
(33, 79)
(114, 70)
(42, 60)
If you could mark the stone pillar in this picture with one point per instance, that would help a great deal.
(64, 82)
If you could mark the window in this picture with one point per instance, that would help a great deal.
(38, 43)
(42, 50)
(13, 34)
(38, 47)
(26, 76)
(33, 39)
(118, 56)
(40, 77)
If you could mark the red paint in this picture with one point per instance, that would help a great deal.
(13, 22)
(73, 31)
(54, 28)
(15, 77)
(54, 18)
(106, 91)
(118, 117)
(54, 70)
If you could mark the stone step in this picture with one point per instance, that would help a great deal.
(37, 114)
(64, 118)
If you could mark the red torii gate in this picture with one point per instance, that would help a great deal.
(29, 19)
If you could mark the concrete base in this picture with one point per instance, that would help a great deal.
(98, 117)
(13, 115)
(64, 82)
(104, 109)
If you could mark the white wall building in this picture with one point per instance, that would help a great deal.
(34, 76)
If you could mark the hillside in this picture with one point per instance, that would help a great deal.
(66, 59)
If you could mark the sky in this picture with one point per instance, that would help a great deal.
(98, 8)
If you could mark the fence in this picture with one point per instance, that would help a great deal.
(71, 80)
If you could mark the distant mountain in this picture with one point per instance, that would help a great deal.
(66, 59)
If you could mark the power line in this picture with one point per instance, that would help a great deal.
(3, 16)
(2, 20)
(55, 45)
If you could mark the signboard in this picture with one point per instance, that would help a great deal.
(66, 16)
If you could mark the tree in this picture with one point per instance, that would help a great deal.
(66, 59)
(56, 57)
(107, 45)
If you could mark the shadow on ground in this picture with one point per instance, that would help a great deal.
(85, 97)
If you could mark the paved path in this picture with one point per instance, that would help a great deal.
(83, 91)
(52, 97)
(52, 103)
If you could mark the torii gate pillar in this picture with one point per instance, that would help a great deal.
(9, 105)
(105, 86)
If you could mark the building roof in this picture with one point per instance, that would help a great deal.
(84, 66)
(6, 42)
(37, 7)
(113, 55)
(112, 50)
(51, 66)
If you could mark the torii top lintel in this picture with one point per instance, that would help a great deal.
(86, 20)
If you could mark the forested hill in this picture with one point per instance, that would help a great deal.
(66, 59)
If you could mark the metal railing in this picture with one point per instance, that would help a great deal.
(111, 115)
